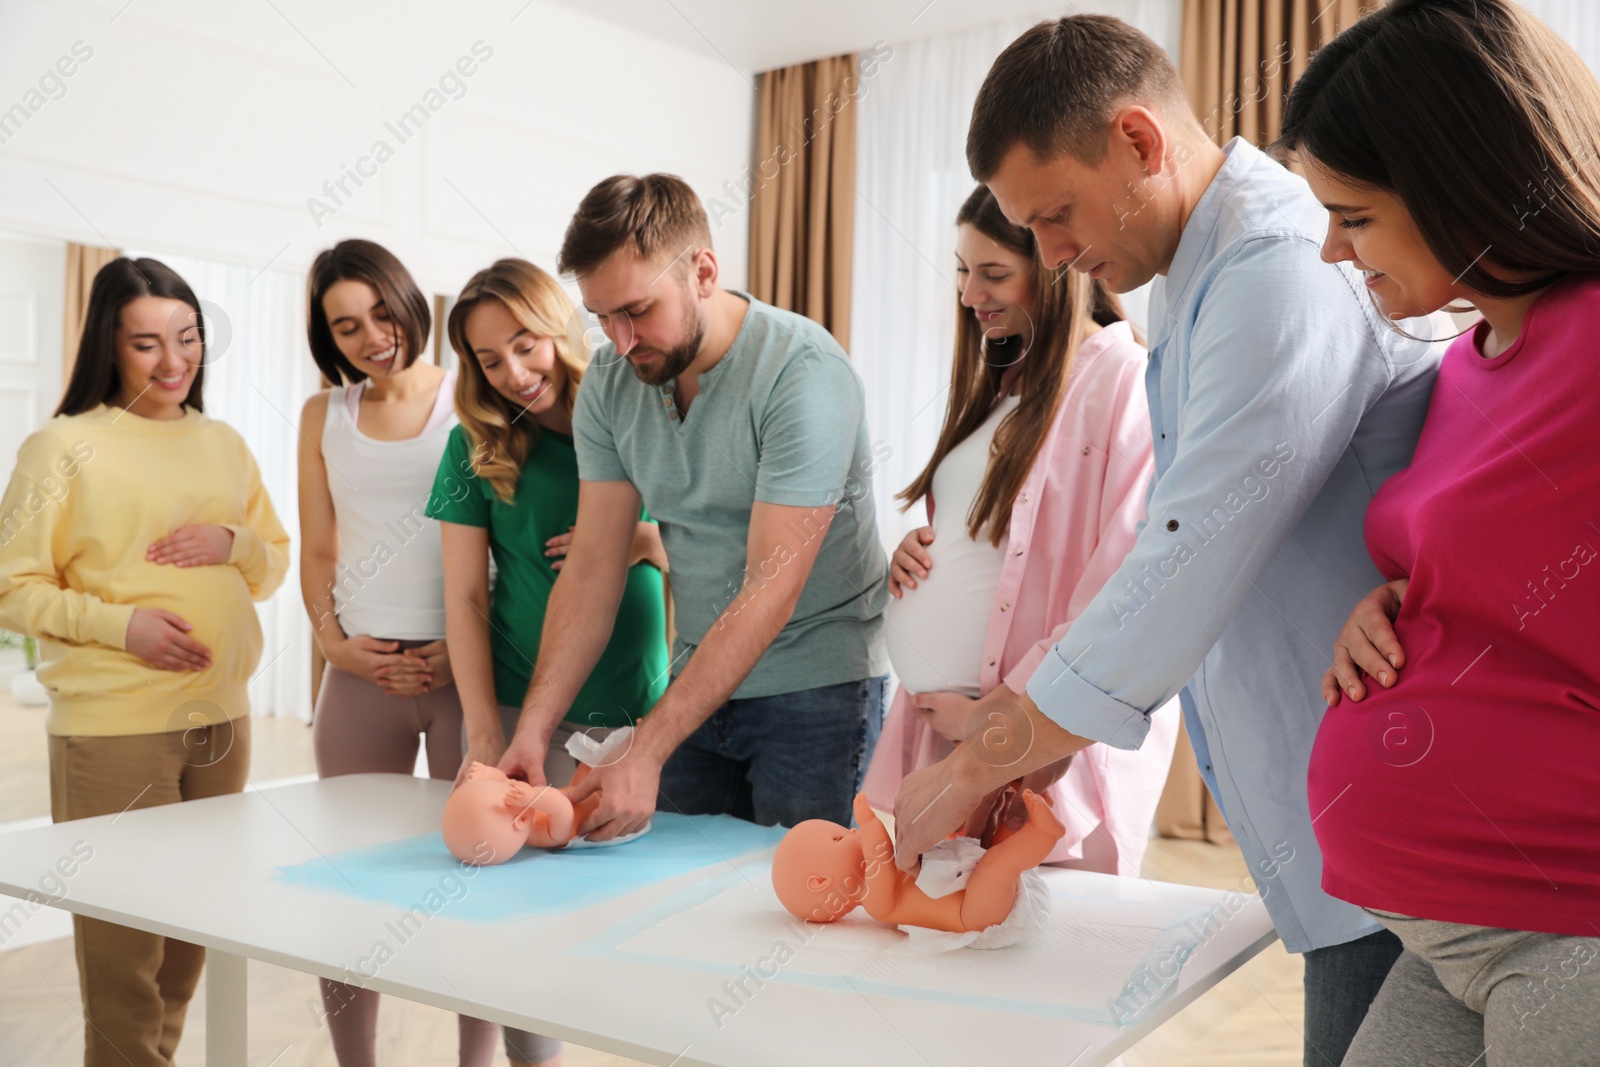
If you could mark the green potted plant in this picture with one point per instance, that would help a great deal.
(25, 687)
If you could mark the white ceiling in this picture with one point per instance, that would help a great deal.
(757, 35)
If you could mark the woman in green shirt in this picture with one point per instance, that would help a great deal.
(507, 488)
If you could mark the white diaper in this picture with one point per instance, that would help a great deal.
(945, 868)
(586, 749)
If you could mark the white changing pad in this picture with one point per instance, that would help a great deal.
(1100, 960)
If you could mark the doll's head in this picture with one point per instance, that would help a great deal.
(818, 871)
(478, 826)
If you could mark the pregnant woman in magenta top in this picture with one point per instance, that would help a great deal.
(1455, 782)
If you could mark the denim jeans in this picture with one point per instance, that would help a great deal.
(779, 760)
(1341, 982)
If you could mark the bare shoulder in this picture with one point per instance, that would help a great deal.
(315, 411)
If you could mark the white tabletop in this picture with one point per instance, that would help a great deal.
(202, 871)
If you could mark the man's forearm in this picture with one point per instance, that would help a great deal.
(1012, 738)
(577, 625)
(731, 649)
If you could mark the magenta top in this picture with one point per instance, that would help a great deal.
(1470, 792)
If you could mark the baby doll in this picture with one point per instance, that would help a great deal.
(490, 817)
(491, 814)
(490, 810)
(823, 871)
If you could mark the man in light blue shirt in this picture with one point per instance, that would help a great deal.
(1280, 401)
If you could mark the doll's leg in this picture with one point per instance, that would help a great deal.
(546, 812)
(476, 771)
(992, 889)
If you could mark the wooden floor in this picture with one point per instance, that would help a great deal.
(1252, 1019)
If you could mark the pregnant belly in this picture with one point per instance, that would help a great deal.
(936, 632)
(216, 602)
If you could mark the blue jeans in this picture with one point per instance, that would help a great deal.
(1341, 982)
(779, 760)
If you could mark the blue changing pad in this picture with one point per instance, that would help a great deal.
(536, 882)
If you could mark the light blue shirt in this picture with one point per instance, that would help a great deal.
(1280, 401)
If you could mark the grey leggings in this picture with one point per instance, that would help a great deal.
(359, 729)
(559, 767)
(1476, 996)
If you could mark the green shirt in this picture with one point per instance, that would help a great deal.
(781, 419)
(632, 672)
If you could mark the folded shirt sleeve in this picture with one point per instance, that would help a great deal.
(1281, 368)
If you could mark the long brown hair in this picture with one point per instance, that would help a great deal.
(95, 379)
(1068, 306)
(1480, 119)
(501, 437)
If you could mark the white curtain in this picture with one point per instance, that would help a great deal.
(1576, 20)
(911, 177)
(259, 376)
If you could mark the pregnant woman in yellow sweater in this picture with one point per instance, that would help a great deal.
(134, 536)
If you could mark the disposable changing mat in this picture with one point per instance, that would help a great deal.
(536, 882)
(1100, 959)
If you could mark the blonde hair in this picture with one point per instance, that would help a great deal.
(501, 439)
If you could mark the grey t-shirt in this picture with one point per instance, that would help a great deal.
(780, 419)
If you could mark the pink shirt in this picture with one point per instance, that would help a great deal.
(1071, 524)
(1470, 792)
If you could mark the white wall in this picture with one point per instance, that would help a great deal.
(205, 128)
(204, 134)
(31, 295)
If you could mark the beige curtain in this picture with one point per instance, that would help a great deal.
(802, 217)
(83, 263)
(1241, 56)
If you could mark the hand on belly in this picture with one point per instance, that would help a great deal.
(911, 561)
(162, 639)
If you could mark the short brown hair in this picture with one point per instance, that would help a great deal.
(652, 214)
(370, 262)
(1055, 88)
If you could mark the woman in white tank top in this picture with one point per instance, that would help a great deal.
(371, 570)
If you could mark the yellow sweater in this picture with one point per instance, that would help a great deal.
(90, 493)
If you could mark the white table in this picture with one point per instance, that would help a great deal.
(201, 871)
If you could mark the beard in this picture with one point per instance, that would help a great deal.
(675, 361)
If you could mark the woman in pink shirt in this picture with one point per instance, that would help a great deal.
(1040, 473)
(1456, 145)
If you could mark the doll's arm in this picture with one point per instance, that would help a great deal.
(882, 878)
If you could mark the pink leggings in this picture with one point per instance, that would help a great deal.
(360, 729)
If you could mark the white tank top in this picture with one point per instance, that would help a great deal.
(390, 579)
(936, 631)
